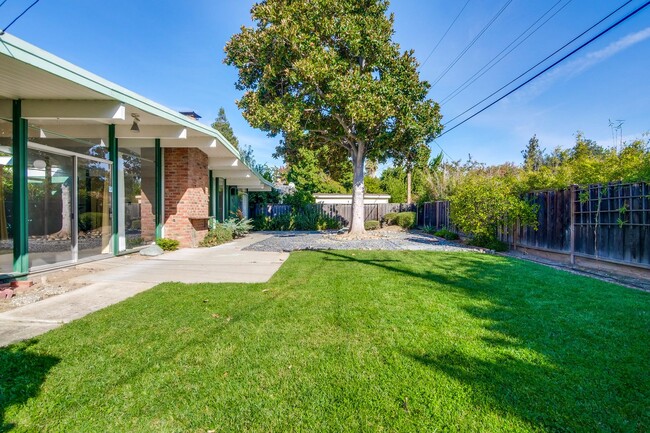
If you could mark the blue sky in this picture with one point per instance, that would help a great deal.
(172, 52)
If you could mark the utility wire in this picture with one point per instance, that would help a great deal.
(489, 65)
(625, 18)
(443, 36)
(476, 38)
(18, 17)
(542, 61)
(443, 150)
(3, 2)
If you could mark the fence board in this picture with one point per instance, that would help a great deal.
(341, 212)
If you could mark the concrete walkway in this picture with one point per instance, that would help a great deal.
(118, 280)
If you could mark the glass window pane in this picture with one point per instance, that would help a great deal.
(94, 208)
(6, 198)
(49, 189)
(137, 194)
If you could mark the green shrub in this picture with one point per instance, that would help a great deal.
(238, 228)
(480, 204)
(282, 222)
(489, 243)
(90, 221)
(307, 219)
(168, 244)
(134, 242)
(371, 225)
(406, 220)
(332, 223)
(299, 199)
(446, 234)
(220, 234)
(311, 218)
(389, 218)
(261, 223)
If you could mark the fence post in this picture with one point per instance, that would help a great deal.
(572, 239)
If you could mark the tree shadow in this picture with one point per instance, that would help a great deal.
(551, 349)
(22, 373)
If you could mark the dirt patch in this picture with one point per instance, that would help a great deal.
(55, 282)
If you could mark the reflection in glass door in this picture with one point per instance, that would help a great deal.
(93, 204)
(50, 186)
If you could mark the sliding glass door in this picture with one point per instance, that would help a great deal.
(50, 188)
(69, 206)
(93, 208)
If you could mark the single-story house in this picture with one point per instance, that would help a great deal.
(89, 168)
(347, 198)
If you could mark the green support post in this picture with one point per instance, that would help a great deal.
(112, 151)
(159, 189)
(20, 205)
(226, 200)
(211, 193)
(217, 210)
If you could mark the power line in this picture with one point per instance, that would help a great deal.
(443, 36)
(625, 18)
(443, 150)
(476, 38)
(3, 2)
(489, 65)
(18, 17)
(540, 62)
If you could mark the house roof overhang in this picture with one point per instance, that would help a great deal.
(72, 101)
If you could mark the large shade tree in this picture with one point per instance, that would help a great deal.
(327, 73)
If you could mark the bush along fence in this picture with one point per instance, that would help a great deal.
(339, 212)
(608, 223)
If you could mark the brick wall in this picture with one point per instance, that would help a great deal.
(186, 195)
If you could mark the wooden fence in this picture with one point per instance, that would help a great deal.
(342, 212)
(602, 222)
(435, 215)
(609, 223)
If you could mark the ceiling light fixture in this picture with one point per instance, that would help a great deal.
(40, 164)
(136, 119)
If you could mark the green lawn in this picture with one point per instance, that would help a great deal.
(347, 342)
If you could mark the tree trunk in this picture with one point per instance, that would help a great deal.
(358, 190)
(408, 187)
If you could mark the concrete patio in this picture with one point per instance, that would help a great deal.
(118, 280)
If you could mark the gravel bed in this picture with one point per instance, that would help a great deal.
(379, 240)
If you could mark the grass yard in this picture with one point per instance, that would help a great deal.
(347, 342)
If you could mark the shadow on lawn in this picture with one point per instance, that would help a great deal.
(538, 362)
(21, 375)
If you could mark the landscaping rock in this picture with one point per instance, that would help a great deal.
(151, 251)
(375, 240)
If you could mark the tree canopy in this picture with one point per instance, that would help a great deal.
(222, 125)
(327, 73)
